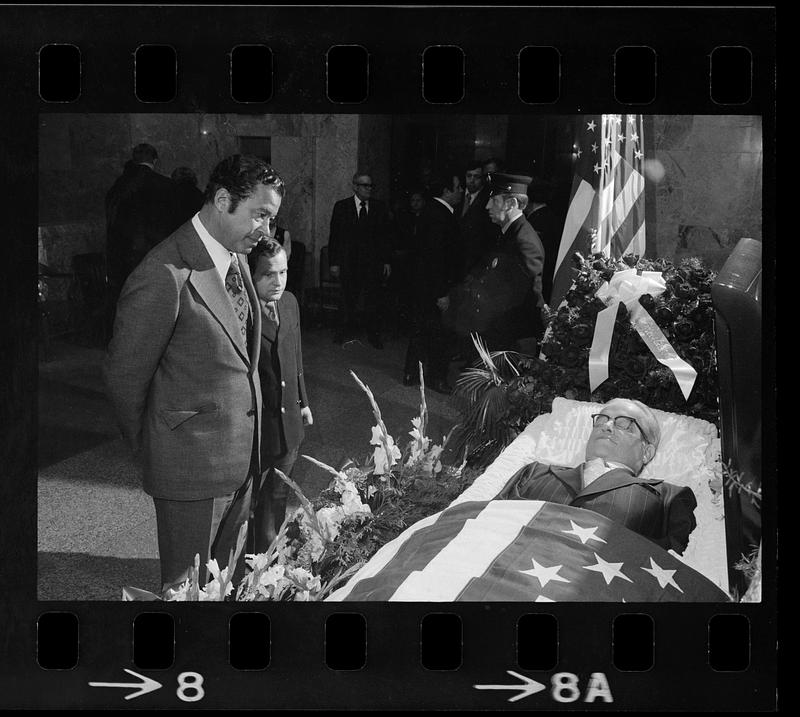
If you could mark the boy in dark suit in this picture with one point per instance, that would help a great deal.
(285, 409)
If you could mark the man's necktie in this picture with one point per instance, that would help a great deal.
(271, 310)
(238, 296)
(362, 213)
(593, 469)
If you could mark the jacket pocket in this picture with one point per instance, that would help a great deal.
(174, 418)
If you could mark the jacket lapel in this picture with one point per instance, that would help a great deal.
(206, 280)
(615, 478)
(571, 477)
(255, 310)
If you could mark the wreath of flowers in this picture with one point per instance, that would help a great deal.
(509, 390)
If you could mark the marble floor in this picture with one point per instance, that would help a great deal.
(96, 527)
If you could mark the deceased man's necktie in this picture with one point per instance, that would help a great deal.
(238, 296)
(362, 213)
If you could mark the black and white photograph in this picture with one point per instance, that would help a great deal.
(442, 357)
(389, 357)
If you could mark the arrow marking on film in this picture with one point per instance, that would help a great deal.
(142, 688)
(527, 688)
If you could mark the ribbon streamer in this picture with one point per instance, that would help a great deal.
(626, 287)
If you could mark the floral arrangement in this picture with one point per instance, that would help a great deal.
(322, 543)
(507, 390)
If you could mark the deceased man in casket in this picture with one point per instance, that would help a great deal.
(624, 439)
(608, 529)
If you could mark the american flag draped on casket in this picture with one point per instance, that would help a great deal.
(525, 550)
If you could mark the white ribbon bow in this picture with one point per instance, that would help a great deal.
(626, 287)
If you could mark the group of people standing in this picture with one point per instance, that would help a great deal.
(473, 257)
(205, 372)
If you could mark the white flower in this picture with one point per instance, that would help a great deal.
(304, 579)
(377, 436)
(383, 463)
(316, 547)
(351, 502)
(177, 594)
(329, 519)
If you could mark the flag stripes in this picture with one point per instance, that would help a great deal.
(606, 212)
(531, 551)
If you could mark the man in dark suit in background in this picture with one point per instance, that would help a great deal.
(624, 438)
(478, 234)
(547, 226)
(181, 370)
(432, 273)
(501, 298)
(359, 251)
(140, 212)
(188, 198)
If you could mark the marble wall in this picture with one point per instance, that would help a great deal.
(709, 196)
(82, 154)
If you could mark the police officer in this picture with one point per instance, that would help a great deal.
(501, 298)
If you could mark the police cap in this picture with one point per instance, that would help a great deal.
(508, 183)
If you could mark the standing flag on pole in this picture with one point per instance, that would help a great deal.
(606, 211)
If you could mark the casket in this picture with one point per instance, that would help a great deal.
(482, 549)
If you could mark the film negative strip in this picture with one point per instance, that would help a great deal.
(390, 94)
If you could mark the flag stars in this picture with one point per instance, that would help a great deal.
(579, 153)
(638, 154)
(590, 126)
(597, 168)
(584, 534)
(634, 136)
(631, 119)
(545, 575)
(594, 148)
(663, 575)
(608, 570)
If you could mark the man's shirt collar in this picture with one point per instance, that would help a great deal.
(219, 254)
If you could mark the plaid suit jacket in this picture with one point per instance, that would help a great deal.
(658, 510)
(184, 388)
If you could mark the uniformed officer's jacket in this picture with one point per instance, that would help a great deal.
(503, 293)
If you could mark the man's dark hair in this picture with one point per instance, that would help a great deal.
(441, 182)
(144, 153)
(184, 175)
(268, 248)
(494, 160)
(240, 174)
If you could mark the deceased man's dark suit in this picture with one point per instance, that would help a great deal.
(660, 511)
